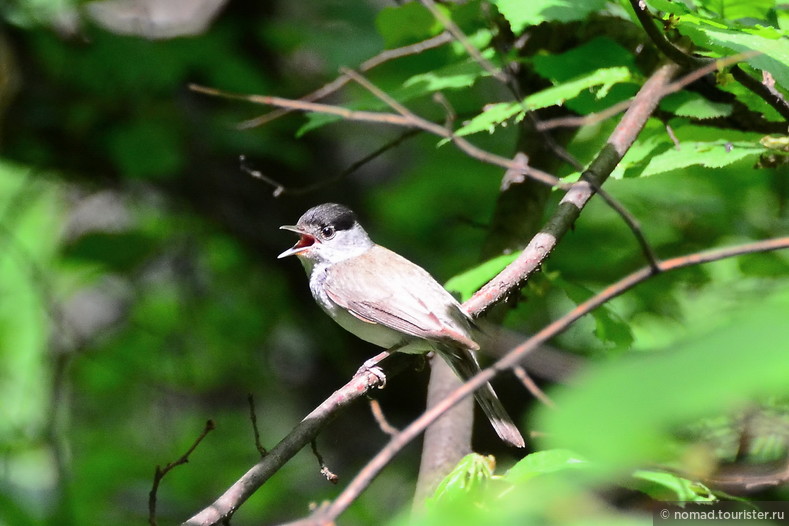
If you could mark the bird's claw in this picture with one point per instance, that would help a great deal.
(375, 370)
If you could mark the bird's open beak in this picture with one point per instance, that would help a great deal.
(305, 241)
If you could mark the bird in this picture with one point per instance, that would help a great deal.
(389, 301)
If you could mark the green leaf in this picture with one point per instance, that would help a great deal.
(542, 462)
(665, 486)
(715, 154)
(609, 327)
(622, 412)
(598, 53)
(406, 24)
(604, 78)
(470, 281)
(454, 76)
(653, 138)
(772, 46)
(668, 6)
(469, 476)
(497, 114)
(738, 9)
(693, 105)
(521, 14)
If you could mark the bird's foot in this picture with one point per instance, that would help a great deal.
(371, 366)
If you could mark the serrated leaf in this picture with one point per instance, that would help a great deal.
(542, 462)
(493, 115)
(693, 105)
(470, 281)
(521, 14)
(651, 140)
(772, 47)
(496, 114)
(715, 154)
(604, 77)
(454, 76)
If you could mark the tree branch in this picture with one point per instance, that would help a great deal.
(328, 514)
(301, 435)
(515, 275)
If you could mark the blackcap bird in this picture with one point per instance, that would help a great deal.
(385, 299)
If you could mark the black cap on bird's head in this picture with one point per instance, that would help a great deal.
(327, 224)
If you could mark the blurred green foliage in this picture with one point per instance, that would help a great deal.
(140, 295)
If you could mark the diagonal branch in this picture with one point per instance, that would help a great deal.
(328, 514)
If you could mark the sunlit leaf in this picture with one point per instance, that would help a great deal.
(521, 14)
(709, 154)
(496, 114)
(693, 105)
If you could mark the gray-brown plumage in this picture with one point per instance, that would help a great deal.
(385, 299)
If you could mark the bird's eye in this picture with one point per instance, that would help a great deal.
(327, 232)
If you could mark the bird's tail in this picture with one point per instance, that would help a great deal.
(465, 365)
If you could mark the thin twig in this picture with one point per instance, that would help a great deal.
(673, 137)
(773, 97)
(464, 41)
(342, 80)
(160, 472)
(629, 219)
(327, 515)
(254, 419)
(532, 386)
(583, 120)
(280, 189)
(380, 418)
(325, 471)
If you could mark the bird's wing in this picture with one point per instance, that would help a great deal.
(385, 288)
